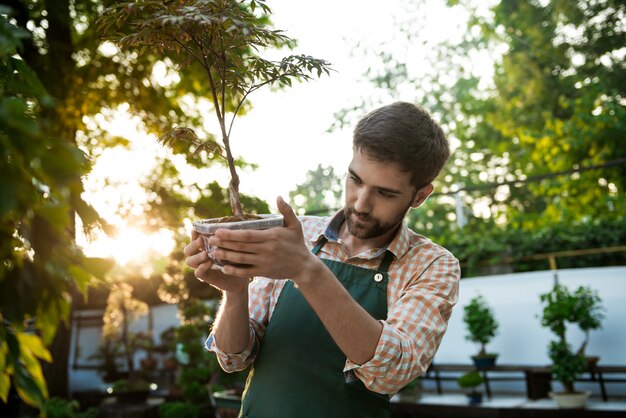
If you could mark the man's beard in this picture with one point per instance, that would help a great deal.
(372, 228)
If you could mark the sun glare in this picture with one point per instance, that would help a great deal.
(132, 245)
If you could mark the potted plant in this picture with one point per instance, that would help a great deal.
(482, 327)
(561, 307)
(120, 311)
(589, 313)
(470, 382)
(109, 354)
(223, 39)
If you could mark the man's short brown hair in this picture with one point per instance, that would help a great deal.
(405, 134)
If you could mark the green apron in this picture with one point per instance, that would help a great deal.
(298, 372)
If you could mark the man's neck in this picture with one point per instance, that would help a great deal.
(354, 245)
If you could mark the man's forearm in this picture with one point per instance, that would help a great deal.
(232, 329)
(352, 328)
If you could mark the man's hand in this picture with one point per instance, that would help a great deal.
(198, 259)
(278, 253)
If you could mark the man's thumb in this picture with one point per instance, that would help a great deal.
(290, 217)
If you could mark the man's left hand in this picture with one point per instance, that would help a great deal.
(278, 253)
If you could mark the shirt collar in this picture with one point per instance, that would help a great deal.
(398, 246)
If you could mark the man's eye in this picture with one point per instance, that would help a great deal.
(355, 179)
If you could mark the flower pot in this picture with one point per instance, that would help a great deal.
(207, 227)
(570, 400)
(485, 361)
(474, 398)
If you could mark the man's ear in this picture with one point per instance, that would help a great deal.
(421, 195)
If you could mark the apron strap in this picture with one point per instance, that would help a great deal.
(384, 265)
(387, 260)
(319, 245)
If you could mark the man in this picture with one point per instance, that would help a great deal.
(344, 311)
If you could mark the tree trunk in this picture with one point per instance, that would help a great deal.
(57, 72)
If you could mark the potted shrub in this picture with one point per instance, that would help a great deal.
(131, 391)
(482, 327)
(561, 307)
(120, 311)
(178, 410)
(470, 382)
(223, 39)
(589, 313)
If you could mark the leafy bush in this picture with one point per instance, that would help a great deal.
(178, 410)
(581, 307)
(481, 324)
(470, 380)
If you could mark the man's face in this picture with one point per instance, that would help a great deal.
(378, 195)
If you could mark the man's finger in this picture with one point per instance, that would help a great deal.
(193, 247)
(290, 218)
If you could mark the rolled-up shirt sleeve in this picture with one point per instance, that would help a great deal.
(260, 297)
(413, 329)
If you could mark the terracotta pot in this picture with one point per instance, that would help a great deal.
(207, 227)
(570, 400)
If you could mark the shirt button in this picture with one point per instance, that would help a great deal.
(378, 277)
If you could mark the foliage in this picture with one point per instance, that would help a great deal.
(120, 311)
(319, 193)
(224, 38)
(470, 380)
(178, 410)
(567, 366)
(62, 408)
(538, 141)
(108, 354)
(513, 247)
(130, 385)
(481, 323)
(41, 181)
(581, 307)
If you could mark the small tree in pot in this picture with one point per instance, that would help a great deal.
(470, 382)
(224, 39)
(482, 327)
(561, 306)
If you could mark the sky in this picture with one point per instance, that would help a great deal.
(287, 132)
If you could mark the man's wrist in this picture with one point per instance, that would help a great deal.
(311, 269)
(235, 296)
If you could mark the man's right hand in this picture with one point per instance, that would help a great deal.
(198, 260)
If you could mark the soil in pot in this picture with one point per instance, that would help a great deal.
(207, 227)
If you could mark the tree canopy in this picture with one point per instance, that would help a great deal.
(538, 142)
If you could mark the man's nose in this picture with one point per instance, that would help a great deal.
(363, 201)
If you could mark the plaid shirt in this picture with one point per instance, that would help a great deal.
(423, 288)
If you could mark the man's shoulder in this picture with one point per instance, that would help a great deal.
(419, 245)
